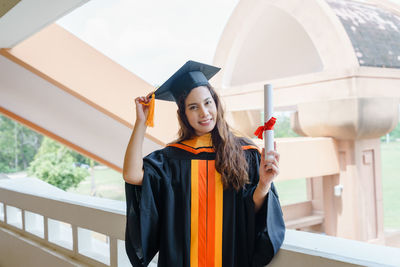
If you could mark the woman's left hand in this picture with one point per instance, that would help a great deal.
(269, 168)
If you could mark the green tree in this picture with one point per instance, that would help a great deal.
(18, 145)
(395, 134)
(282, 127)
(81, 159)
(56, 165)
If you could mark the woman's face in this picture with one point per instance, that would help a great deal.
(200, 110)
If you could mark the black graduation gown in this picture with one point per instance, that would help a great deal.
(169, 213)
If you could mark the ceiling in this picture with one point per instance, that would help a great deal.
(21, 19)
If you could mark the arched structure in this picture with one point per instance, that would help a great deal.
(280, 42)
(327, 66)
(261, 51)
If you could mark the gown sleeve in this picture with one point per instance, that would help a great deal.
(143, 213)
(266, 228)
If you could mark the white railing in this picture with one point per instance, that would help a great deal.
(91, 230)
(88, 229)
(308, 249)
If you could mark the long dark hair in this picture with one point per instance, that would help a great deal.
(230, 160)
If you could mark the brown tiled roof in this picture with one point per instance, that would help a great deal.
(373, 31)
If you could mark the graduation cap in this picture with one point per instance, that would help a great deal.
(191, 75)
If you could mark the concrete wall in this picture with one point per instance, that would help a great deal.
(16, 250)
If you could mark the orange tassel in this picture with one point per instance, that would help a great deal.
(150, 116)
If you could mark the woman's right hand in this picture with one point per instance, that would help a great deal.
(133, 161)
(142, 110)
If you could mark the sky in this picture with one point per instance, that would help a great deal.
(151, 38)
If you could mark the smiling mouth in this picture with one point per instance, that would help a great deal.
(206, 122)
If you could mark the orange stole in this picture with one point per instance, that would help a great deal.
(206, 215)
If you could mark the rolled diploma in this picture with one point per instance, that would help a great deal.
(268, 110)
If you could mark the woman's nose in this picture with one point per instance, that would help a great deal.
(203, 111)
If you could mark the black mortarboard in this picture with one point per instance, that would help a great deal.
(189, 76)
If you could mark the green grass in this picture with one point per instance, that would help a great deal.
(110, 184)
(391, 184)
(291, 191)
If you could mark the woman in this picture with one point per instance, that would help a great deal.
(206, 199)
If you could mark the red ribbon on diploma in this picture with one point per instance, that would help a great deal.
(269, 125)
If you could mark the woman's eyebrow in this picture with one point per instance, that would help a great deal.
(208, 98)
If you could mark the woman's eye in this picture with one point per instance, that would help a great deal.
(208, 102)
(192, 107)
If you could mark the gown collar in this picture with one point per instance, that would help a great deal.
(201, 144)
(199, 141)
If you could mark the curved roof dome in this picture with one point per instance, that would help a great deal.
(373, 31)
(266, 41)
